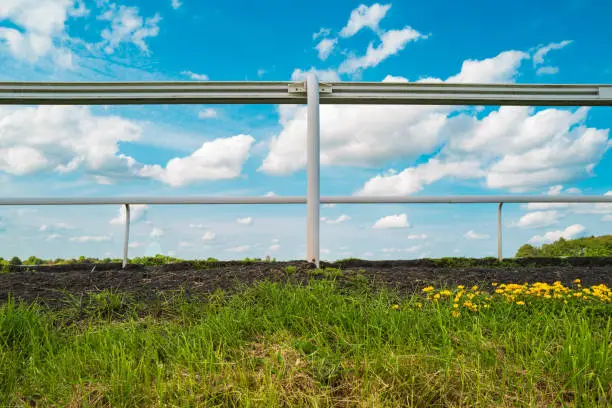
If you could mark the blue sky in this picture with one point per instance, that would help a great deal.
(258, 150)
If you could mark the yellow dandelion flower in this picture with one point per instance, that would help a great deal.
(456, 306)
(520, 302)
(577, 281)
(456, 313)
(395, 307)
(436, 296)
(475, 288)
(493, 283)
(460, 287)
(428, 289)
(499, 291)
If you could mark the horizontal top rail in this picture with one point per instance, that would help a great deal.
(302, 200)
(211, 92)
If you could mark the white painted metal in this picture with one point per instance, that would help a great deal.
(499, 232)
(462, 199)
(313, 194)
(138, 93)
(127, 235)
(302, 200)
(314, 94)
(149, 200)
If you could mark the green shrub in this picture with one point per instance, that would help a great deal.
(15, 261)
(580, 247)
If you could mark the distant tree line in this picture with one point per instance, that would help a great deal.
(587, 246)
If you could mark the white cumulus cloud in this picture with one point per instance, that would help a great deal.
(245, 221)
(220, 159)
(39, 29)
(127, 26)
(351, 134)
(364, 16)
(208, 113)
(239, 249)
(137, 213)
(417, 236)
(91, 238)
(342, 218)
(413, 179)
(539, 219)
(195, 76)
(392, 221)
(64, 139)
(391, 42)
(325, 47)
(208, 236)
(471, 234)
(552, 236)
(156, 232)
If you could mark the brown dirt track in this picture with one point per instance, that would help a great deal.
(50, 284)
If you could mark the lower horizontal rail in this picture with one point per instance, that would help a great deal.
(302, 200)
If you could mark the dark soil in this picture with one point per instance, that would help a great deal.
(50, 284)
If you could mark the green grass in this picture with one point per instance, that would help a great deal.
(313, 345)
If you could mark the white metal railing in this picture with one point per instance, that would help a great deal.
(313, 94)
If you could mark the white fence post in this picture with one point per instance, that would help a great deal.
(313, 194)
(126, 239)
(499, 232)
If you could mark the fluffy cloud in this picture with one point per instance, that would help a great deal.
(392, 221)
(471, 234)
(547, 70)
(413, 179)
(364, 16)
(323, 32)
(239, 249)
(127, 26)
(325, 47)
(137, 213)
(342, 218)
(538, 56)
(208, 113)
(55, 227)
(220, 159)
(245, 221)
(39, 28)
(328, 75)
(392, 42)
(538, 219)
(64, 139)
(417, 236)
(413, 248)
(176, 4)
(351, 134)
(551, 236)
(195, 76)
(157, 232)
(498, 69)
(91, 238)
(208, 236)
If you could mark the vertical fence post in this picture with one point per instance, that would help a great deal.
(127, 235)
(499, 232)
(312, 161)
